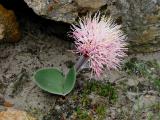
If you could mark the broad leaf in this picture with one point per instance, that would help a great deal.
(53, 81)
(70, 81)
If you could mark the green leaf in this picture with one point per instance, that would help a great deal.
(53, 81)
(70, 81)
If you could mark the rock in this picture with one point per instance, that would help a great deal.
(96, 99)
(145, 101)
(140, 19)
(4, 102)
(2, 108)
(134, 81)
(13, 114)
(94, 4)
(132, 96)
(64, 10)
(9, 28)
(54, 9)
(1, 99)
(1, 31)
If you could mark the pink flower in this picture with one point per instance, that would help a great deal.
(101, 41)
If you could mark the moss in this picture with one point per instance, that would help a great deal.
(80, 105)
(135, 66)
(83, 114)
(142, 68)
(156, 107)
(157, 84)
(146, 69)
(101, 112)
(102, 89)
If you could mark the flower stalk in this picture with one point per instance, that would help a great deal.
(81, 62)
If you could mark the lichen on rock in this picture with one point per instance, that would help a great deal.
(9, 28)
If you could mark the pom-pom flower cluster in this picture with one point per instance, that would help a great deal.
(100, 41)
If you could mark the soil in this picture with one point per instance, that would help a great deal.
(37, 49)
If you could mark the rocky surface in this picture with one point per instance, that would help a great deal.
(18, 63)
(64, 10)
(140, 19)
(13, 114)
(141, 22)
(129, 94)
(88, 100)
(9, 28)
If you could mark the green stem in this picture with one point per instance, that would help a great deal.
(82, 61)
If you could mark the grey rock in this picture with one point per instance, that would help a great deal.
(145, 101)
(140, 18)
(94, 4)
(64, 10)
(96, 99)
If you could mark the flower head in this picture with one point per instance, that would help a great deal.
(101, 41)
